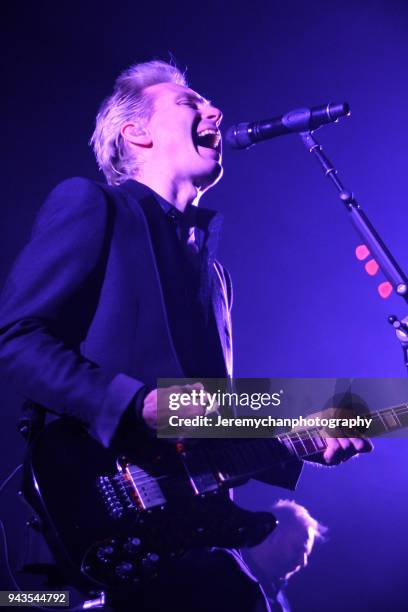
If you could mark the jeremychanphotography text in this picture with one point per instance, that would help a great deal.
(271, 422)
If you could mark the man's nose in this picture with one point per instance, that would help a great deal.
(213, 113)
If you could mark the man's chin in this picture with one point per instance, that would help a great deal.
(208, 180)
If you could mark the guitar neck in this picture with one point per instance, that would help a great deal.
(388, 420)
(237, 460)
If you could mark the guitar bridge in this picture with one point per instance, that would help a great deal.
(116, 495)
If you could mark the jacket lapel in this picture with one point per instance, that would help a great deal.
(138, 196)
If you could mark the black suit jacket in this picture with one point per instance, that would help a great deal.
(83, 322)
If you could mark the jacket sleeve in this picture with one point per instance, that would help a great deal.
(285, 474)
(52, 272)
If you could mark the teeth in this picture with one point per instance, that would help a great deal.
(216, 137)
(208, 131)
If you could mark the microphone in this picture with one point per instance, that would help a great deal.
(243, 135)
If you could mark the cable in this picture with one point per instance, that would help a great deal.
(5, 543)
(7, 558)
(10, 477)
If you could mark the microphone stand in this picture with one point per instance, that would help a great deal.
(369, 235)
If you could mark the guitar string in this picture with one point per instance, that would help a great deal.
(292, 437)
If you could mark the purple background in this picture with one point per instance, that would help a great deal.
(303, 304)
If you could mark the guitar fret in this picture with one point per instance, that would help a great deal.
(319, 442)
(394, 413)
(382, 421)
(291, 445)
(298, 442)
(390, 419)
(403, 410)
(303, 441)
(310, 443)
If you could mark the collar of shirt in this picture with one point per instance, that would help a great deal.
(205, 221)
(193, 216)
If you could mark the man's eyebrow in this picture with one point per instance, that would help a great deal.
(194, 98)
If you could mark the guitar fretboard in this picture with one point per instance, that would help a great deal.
(388, 420)
(237, 459)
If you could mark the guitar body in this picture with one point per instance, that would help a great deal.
(114, 522)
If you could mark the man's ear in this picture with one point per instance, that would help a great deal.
(136, 135)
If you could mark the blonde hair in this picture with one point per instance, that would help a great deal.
(128, 102)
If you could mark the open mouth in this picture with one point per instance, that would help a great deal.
(209, 138)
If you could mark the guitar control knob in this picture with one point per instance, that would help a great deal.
(105, 553)
(150, 560)
(124, 569)
(132, 545)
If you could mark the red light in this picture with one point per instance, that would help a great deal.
(372, 267)
(180, 447)
(362, 252)
(385, 290)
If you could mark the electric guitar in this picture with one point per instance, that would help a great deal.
(113, 522)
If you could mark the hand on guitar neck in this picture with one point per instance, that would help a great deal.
(339, 449)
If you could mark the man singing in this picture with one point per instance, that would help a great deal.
(119, 286)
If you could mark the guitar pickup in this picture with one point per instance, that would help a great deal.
(145, 488)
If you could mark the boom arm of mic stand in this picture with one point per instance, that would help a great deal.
(367, 232)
